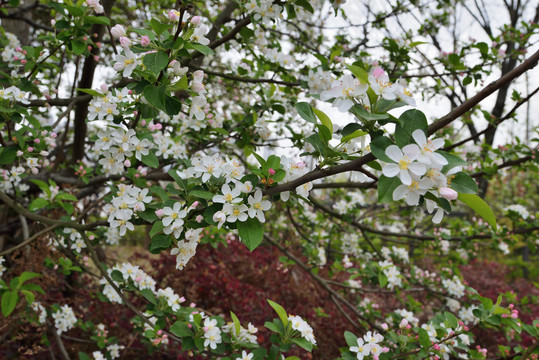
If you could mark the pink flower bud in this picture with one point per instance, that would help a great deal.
(37, 141)
(117, 31)
(91, 237)
(145, 41)
(125, 42)
(158, 126)
(199, 218)
(19, 153)
(384, 326)
(403, 323)
(23, 61)
(53, 22)
(385, 349)
(436, 347)
(30, 149)
(104, 88)
(271, 172)
(159, 212)
(159, 332)
(127, 163)
(173, 15)
(195, 20)
(448, 193)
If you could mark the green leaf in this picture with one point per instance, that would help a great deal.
(102, 20)
(117, 276)
(281, 312)
(272, 326)
(150, 160)
(29, 296)
(237, 325)
(83, 356)
(378, 148)
(27, 275)
(66, 196)
(386, 187)
(181, 329)
(306, 112)
(172, 105)
(78, 46)
(480, 207)
(463, 183)
(38, 203)
(202, 194)
(410, 121)
(149, 295)
(353, 135)
(9, 301)
(452, 160)
(90, 92)
(451, 320)
(360, 73)
(251, 232)
(8, 155)
(382, 279)
(155, 96)
(324, 119)
(424, 338)
(156, 228)
(361, 113)
(303, 343)
(159, 27)
(156, 61)
(202, 48)
(350, 338)
(33, 287)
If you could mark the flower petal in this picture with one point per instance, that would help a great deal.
(394, 153)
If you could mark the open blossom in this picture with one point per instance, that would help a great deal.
(412, 192)
(344, 92)
(303, 327)
(258, 206)
(428, 156)
(405, 165)
(229, 196)
(126, 63)
(380, 84)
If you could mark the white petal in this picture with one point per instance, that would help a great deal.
(412, 199)
(417, 168)
(390, 170)
(400, 192)
(419, 137)
(394, 153)
(405, 177)
(412, 151)
(437, 218)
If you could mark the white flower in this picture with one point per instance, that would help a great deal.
(246, 356)
(405, 164)
(98, 355)
(196, 107)
(64, 319)
(519, 209)
(229, 196)
(235, 212)
(412, 192)
(258, 206)
(380, 84)
(428, 155)
(361, 349)
(173, 214)
(117, 31)
(126, 63)
(198, 35)
(220, 218)
(344, 91)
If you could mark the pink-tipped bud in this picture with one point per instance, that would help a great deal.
(37, 141)
(125, 42)
(104, 88)
(144, 41)
(159, 212)
(384, 326)
(271, 172)
(20, 153)
(127, 163)
(403, 323)
(30, 149)
(199, 218)
(173, 15)
(117, 31)
(436, 347)
(195, 20)
(159, 332)
(448, 193)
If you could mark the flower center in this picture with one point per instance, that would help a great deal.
(404, 163)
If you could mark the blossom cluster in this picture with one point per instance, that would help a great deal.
(212, 333)
(454, 286)
(64, 319)
(303, 327)
(245, 336)
(40, 309)
(392, 273)
(419, 169)
(140, 279)
(186, 248)
(369, 345)
(117, 146)
(173, 300)
(128, 200)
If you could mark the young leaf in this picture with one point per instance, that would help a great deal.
(480, 207)
(281, 312)
(463, 183)
(9, 301)
(251, 232)
(306, 112)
